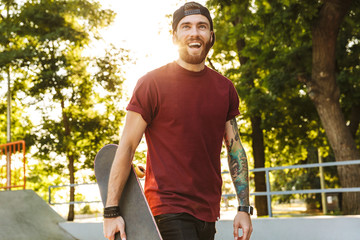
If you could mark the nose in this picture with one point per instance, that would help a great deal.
(194, 31)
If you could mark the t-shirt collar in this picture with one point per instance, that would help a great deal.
(182, 70)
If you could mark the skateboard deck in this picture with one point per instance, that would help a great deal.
(139, 221)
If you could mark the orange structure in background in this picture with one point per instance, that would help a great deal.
(12, 165)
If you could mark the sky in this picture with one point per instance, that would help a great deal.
(143, 27)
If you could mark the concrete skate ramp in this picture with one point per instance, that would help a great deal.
(24, 215)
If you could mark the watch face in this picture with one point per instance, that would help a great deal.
(251, 210)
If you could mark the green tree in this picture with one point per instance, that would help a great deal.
(76, 96)
(325, 93)
(21, 124)
(229, 17)
(272, 43)
(10, 69)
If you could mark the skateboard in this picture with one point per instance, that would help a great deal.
(139, 221)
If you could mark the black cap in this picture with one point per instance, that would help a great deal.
(181, 13)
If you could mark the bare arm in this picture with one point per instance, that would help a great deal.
(238, 166)
(133, 131)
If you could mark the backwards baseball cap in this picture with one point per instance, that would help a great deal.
(192, 8)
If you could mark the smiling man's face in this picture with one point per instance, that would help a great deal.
(193, 37)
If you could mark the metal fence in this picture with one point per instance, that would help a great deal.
(269, 193)
(67, 186)
(53, 187)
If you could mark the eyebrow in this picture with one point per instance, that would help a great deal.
(198, 23)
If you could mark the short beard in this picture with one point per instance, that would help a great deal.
(186, 57)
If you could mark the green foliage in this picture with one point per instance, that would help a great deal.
(40, 176)
(20, 122)
(75, 98)
(87, 110)
(265, 48)
(273, 46)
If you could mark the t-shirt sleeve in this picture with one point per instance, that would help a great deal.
(144, 99)
(233, 104)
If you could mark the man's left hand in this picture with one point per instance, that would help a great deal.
(242, 220)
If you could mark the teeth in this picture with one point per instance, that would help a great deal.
(194, 44)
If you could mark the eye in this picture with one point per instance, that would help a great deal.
(203, 27)
(185, 26)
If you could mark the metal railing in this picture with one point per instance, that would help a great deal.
(269, 193)
(97, 201)
(12, 165)
(66, 186)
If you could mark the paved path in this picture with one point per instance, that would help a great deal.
(24, 215)
(309, 228)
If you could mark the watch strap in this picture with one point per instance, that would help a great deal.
(248, 209)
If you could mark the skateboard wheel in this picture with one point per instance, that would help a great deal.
(140, 171)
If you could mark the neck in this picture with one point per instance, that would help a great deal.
(191, 67)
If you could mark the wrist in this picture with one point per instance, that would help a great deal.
(247, 209)
(111, 212)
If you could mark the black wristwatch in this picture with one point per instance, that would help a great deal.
(248, 209)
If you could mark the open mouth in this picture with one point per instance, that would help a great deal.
(194, 45)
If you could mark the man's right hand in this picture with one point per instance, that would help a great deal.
(114, 225)
(132, 133)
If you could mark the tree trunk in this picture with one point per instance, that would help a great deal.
(324, 93)
(71, 214)
(259, 159)
(70, 157)
(257, 145)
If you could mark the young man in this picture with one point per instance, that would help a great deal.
(185, 110)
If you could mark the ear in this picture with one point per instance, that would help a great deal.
(174, 38)
(211, 36)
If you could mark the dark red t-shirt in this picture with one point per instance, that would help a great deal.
(186, 114)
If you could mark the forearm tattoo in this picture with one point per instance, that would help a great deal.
(237, 163)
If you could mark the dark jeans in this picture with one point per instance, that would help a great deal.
(182, 226)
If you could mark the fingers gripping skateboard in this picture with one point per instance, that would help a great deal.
(139, 222)
(140, 171)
